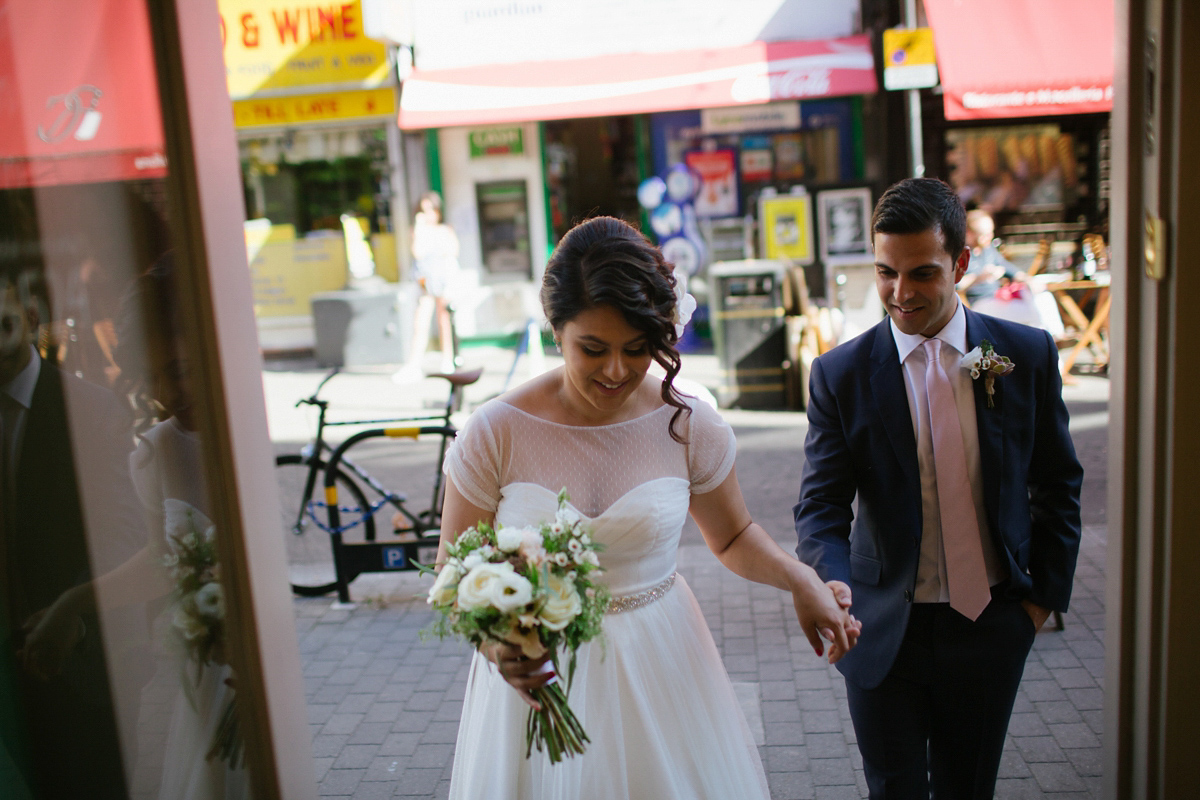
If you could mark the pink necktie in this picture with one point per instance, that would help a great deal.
(961, 539)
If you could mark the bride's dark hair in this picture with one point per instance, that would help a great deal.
(604, 261)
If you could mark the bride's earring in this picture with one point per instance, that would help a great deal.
(558, 345)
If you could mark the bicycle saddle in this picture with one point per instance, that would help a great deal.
(463, 378)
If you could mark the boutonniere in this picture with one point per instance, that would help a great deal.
(984, 360)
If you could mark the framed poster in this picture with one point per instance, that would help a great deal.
(843, 226)
(785, 227)
(718, 195)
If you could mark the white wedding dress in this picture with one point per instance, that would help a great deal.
(166, 468)
(654, 698)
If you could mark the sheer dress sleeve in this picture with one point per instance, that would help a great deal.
(474, 461)
(712, 448)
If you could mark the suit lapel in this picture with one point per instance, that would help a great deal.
(891, 399)
(989, 421)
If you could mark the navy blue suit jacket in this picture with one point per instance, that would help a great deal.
(861, 446)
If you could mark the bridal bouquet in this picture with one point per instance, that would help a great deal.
(531, 587)
(198, 623)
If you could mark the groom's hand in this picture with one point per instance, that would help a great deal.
(1036, 613)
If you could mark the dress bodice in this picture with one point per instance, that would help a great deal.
(639, 532)
(630, 481)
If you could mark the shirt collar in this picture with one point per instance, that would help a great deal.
(953, 333)
(21, 387)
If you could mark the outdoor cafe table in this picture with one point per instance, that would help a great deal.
(1092, 333)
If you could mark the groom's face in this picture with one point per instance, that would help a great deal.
(916, 278)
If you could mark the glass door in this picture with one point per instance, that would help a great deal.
(134, 589)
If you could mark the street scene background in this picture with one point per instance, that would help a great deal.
(384, 701)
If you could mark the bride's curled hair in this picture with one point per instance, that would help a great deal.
(604, 261)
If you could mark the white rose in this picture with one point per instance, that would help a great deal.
(442, 591)
(511, 591)
(562, 603)
(475, 590)
(591, 558)
(495, 585)
(509, 539)
(210, 601)
(471, 561)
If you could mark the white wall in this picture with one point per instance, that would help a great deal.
(488, 305)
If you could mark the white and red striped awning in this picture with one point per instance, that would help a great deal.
(637, 83)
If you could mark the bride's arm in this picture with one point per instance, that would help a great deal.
(458, 514)
(523, 674)
(745, 548)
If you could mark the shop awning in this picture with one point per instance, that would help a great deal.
(637, 83)
(1023, 58)
(78, 94)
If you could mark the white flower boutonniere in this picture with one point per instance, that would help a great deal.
(685, 304)
(984, 360)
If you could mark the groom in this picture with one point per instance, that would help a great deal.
(967, 522)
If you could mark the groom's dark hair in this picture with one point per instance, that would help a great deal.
(916, 205)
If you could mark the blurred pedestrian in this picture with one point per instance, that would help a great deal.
(435, 266)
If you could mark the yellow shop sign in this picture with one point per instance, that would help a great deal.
(272, 44)
(323, 107)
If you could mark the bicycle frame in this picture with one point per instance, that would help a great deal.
(350, 560)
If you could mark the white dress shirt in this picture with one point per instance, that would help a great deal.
(931, 586)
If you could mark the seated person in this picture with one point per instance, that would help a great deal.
(988, 269)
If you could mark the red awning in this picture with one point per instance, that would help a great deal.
(637, 83)
(1023, 58)
(78, 95)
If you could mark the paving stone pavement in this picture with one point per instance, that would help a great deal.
(384, 702)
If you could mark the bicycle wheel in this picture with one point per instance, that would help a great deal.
(308, 546)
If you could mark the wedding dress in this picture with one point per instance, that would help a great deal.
(654, 697)
(167, 467)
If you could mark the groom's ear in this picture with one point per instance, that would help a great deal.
(961, 263)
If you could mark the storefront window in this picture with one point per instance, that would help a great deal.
(308, 179)
(591, 169)
(117, 678)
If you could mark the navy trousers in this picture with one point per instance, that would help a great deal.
(936, 724)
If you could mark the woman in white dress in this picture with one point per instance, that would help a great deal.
(636, 457)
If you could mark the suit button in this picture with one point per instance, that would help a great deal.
(907, 596)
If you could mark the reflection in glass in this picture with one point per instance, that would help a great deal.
(114, 674)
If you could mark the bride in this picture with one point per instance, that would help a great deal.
(636, 457)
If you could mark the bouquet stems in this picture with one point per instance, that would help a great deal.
(555, 726)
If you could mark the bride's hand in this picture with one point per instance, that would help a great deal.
(823, 610)
(521, 672)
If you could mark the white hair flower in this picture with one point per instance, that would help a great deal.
(685, 304)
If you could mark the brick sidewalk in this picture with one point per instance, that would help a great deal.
(384, 704)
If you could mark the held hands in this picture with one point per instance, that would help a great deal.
(823, 610)
(521, 672)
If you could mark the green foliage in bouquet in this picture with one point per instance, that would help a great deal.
(532, 587)
(198, 622)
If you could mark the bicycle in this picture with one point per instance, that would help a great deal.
(319, 561)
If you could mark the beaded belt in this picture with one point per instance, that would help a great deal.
(631, 601)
